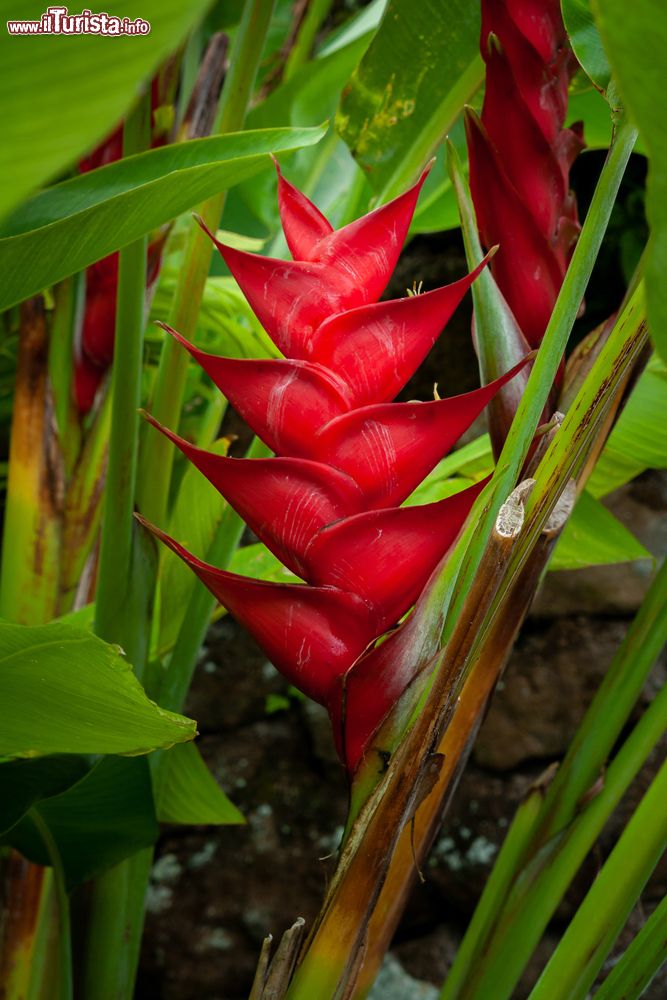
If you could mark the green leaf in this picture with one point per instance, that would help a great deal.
(25, 782)
(256, 560)
(636, 45)
(63, 690)
(410, 87)
(104, 818)
(190, 794)
(594, 537)
(67, 227)
(638, 440)
(62, 94)
(225, 325)
(586, 41)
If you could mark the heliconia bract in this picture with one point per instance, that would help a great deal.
(520, 156)
(328, 504)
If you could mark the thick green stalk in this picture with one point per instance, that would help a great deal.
(114, 929)
(541, 885)
(574, 965)
(550, 353)
(117, 539)
(640, 961)
(68, 301)
(64, 986)
(316, 11)
(158, 458)
(116, 899)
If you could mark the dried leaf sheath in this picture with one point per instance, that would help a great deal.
(328, 504)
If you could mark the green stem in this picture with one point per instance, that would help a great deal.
(154, 485)
(111, 622)
(609, 711)
(82, 513)
(316, 11)
(113, 932)
(498, 885)
(68, 302)
(541, 885)
(640, 961)
(115, 913)
(64, 936)
(592, 744)
(599, 920)
(549, 356)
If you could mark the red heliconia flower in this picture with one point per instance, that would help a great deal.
(328, 504)
(520, 156)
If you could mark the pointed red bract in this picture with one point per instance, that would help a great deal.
(388, 449)
(350, 267)
(303, 224)
(285, 402)
(520, 156)
(284, 501)
(310, 634)
(386, 556)
(376, 349)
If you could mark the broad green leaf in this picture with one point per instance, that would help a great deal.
(636, 43)
(594, 537)
(190, 794)
(586, 41)
(194, 521)
(104, 818)
(639, 438)
(25, 782)
(422, 66)
(63, 690)
(364, 22)
(67, 227)
(256, 560)
(62, 94)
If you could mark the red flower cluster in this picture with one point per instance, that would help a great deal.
(328, 505)
(520, 156)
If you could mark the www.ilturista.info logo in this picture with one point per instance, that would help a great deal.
(58, 21)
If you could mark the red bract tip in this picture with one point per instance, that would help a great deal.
(376, 349)
(350, 267)
(386, 556)
(310, 634)
(284, 402)
(388, 449)
(303, 224)
(284, 501)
